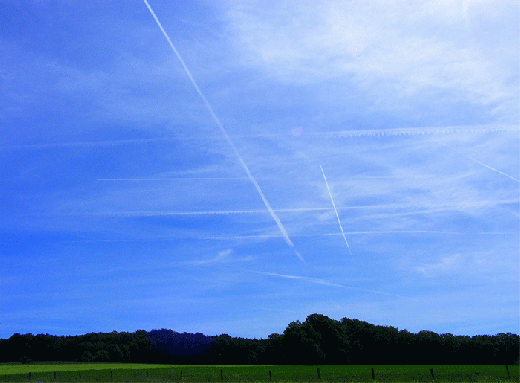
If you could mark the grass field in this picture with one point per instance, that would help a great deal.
(112, 372)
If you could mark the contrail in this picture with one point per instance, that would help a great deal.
(427, 209)
(377, 232)
(322, 282)
(201, 212)
(421, 130)
(85, 144)
(173, 179)
(219, 124)
(478, 162)
(327, 134)
(335, 210)
(223, 238)
(495, 170)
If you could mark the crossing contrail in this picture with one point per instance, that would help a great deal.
(335, 210)
(219, 124)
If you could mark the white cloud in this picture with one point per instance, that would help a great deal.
(387, 46)
(446, 265)
(224, 256)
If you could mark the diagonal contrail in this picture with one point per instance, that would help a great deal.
(479, 162)
(335, 210)
(495, 170)
(323, 282)
(219, 124)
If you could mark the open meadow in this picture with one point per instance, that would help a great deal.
(127, 372)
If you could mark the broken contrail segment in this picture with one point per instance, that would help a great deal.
(219, 124)
(335, 210)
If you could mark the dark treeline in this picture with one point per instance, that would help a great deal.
(94, 347)
(318, 340)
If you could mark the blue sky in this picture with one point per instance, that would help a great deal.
(131, 200)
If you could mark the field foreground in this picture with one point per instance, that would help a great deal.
(113, 372)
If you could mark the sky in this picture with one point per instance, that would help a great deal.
(231, 166)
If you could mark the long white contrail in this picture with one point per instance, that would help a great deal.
(421, 131)
(209, 212)
(173, 179)
(266, 237)
(335, 210)
(479, 162)
(495, 170)
(219, 124)
(426, 209)
(326, 134)
(379, 232)
(322, 282)
(86, 144)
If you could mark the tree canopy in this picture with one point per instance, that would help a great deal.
(317, 340)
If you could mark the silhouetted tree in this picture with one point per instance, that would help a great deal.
(318, 340)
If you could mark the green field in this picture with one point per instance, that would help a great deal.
(112, 372)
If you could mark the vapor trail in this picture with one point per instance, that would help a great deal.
(421, 130)
(478, 162)
(223, 238)
(335, 210)
(202, 212)
(495, 170)
(173, 179)
(327, 134)
(219, 124)
(85, 144)
(428, 209)
(440, 232)
(322, 282)
(507, 128)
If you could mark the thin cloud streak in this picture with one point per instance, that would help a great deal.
(265, 178)
(322, 282)
(335, 210)
(215, 212)
(267, 236)
(427, 208)
(299, 256)
(219, 124)
(480, 163)
(376, 232)
(173, 179)
(495, 170)
(87, 144)
(506, 128)
(421, 131)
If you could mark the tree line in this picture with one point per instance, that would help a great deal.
(317, 340)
